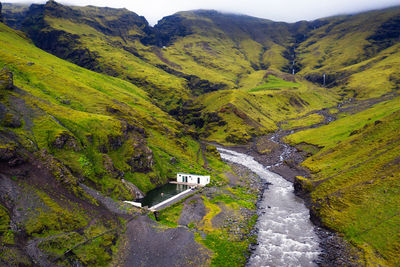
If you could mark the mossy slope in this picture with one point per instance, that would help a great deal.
(356, 177)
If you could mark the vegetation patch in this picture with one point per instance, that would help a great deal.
(303, 121)
(274, 83)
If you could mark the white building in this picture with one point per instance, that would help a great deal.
(192, 178)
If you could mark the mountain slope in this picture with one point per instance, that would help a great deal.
(356, 53)
(63, 128)
(355, 177)
(331, 85)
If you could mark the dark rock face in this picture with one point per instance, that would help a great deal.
(197, 85)
(387, 34)
(10, 155)
(141, 159)
(57, 42)
(12, 121)
(331, 79)
(166, 31)
(68, 46)
(1, 7)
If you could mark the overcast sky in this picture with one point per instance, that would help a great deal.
(278, 10)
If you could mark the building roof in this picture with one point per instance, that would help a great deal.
(182, 173)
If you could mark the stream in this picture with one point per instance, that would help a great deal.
(286, 236)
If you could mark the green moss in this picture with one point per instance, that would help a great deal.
(170, 216)
(54, 219)
(227, 253)
(302, 184)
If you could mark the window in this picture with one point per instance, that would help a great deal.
(198, 180)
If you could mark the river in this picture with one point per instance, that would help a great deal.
(286, 236)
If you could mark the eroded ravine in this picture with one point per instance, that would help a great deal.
(286, 236)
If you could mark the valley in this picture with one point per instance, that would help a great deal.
(98, 107)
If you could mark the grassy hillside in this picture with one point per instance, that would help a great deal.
(357, 54)
(88, 116)
(355, 178)
(257, 111)
(62, 125)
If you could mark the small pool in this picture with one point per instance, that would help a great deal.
(160, 194)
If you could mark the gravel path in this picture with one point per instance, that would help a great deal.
(149, 245)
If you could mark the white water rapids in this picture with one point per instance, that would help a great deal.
(286, 235)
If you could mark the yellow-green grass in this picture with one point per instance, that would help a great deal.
(274, 83)
(356, 179)
(170, 216)
(306, 121)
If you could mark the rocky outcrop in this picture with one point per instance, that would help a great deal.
(141, 159)
(134, 190)
(65, 140)
(197, 85)
(11, 121)
(6, 79)
(166, 31)
(302, 186)
(387, 34)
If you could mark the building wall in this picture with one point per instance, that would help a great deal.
(192, 178)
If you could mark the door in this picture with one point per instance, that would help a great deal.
(198, 180)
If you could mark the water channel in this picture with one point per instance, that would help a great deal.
(286, 235)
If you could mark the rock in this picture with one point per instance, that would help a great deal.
(7, 152)
(133, 189)
(6, 79)
(11, 121)
(173, 160)
(65, 140)
(108, 163)
(213, 150)
(302, 185)
(141, 159)
(115, 141)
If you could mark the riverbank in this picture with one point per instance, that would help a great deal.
(285, 160)
(286, 236)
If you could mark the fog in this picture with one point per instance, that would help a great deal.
(278, 10)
